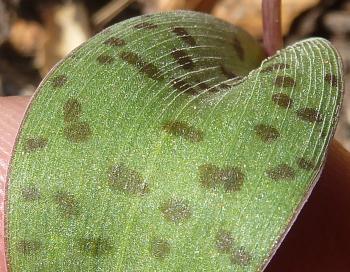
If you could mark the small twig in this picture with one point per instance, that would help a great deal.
(109, 11)
(272, 30)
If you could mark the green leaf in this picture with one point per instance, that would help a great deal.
(164, 144)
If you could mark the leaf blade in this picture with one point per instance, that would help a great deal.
(179, 143)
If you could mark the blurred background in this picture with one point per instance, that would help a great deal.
(35, 34)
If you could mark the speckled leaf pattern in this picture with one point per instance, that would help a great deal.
(166, 143)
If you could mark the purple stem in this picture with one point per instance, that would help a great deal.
(272, 29)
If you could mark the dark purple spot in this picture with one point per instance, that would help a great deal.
(206, 88)
(67, 203)
(145, 25)
(28, 247)
(176, 210)
(183, 59)
(124, 179)
(227, 73)
(160, 248)
(309, 115)
(30, 193)
(95, 247)
(230, 177)
(115, 41)
(238, 47)
(209, 175)
(148, 69)
(281, 172)
(77, 132)
(59, 81)
(332, 80)
(105, 59)
(282, 100)
(184, 35)
(183, 86)
(224, 86)
(266, 133)
(203, 86)
(305, 164)
(151, 71)
(184, 130)
(274, 67)
(72, 110)
(284, 81)
(35, 143)
(224, 241)
(240, 257)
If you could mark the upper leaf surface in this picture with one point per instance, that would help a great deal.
(161, 145)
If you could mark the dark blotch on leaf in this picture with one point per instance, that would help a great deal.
(148, 69)
(105, 59)
(124, 179)
(30, 193)
(72, 110)
(151, 71)
(305, 164)
(115, 41)
(224, 241)
(309, 115)
(145, 25)
(28, 247)
(59, 81)
(95, 247)
(224, 86)
(183, 86)
(67, 203)
(176, 210)
(240, 257)
(182, 129)
(282, 100)
(274, 67)
(203, 86)
(160, 248)
(209, 175)
(332, 80)
(35, 143)
(230, 177)
(184, 35)
(266, 133)
(77, 132)
(131, 58)
(281, 172)
(284, 81)
(238, 47)
(206, 88)
(227, 73)
(183, 59)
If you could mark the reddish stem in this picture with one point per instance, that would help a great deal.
(272, 29)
